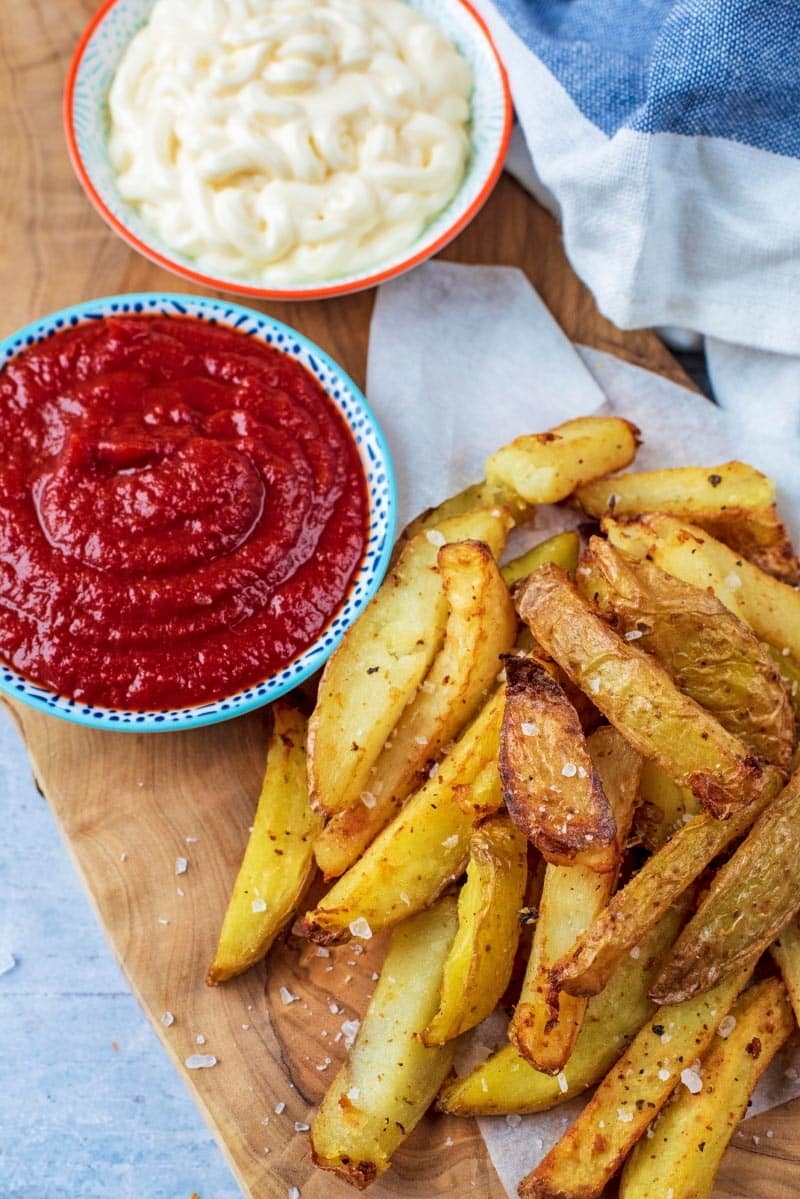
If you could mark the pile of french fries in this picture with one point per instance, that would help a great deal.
(576, 768)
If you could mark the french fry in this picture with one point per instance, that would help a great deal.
(278, 861)
(771, 608)
(507, 1083)
(563, 549)
(544, 468)
(390, 1077)
(478, 495)
(634, 909)
(382, 660)
(547, 1021)
(786, 952)
(425, 847)
(630, 1096)
(691, 1134)
(708, 652)
(481, 625)
(664, 807)
(478, 967)
(639, 698)
(750, 901)
(734, 502)
(552, 789)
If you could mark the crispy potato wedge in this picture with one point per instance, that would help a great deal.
(481, 626)
(479, 964)
(639, 698)
(786, 952)
(552, 789)
(390, 1077)
(382, 660)
(478, 495)
(734, 502)
(544, 468)
(692, 1132)
(563, 549)
(709, 653)
(425, 847)
(771, 608)
(630, 1096)
(507, 1083)
(278, 861)
(634, 909)
(547, 1021)
(664, 807)
(750, 901)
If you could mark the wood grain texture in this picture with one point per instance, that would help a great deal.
(126, 804)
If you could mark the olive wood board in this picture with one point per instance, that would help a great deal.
(125, 803)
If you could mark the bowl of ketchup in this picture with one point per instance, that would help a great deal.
(195, 504)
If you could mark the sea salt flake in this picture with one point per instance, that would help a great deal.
(258, 905)
(350, 1031)
(450, 842)
(294, 1193)
(360, 928)
(502, 676)
(726, 1027)
(665, 1038)
(300, 1126)
(404, 899)
(181, 892)
(563, 1085)
(664, 1074)
(181, 865)
(513, 1120)
(167, 1019)
(354, 1093)
(334, 1009)
(529, 729)
(732, 581)
(323, 1065)
(191, 840)
(624, 1116)
(322, 952)
(199, 1039)
(435, 537)
(368, 799)
(594, 686)
(420, 740)
(434, 770)
(635, 952)
(245, 1027)
(583, 772)
(449, 1142)
(280, 1108)
(428, 687)
(200, 1061)
(161, 920)
(287, 997)
(633, 634)
(123, 857)
(756, 1140)
(484, 1085)
(569, 770)
(770, 1132)
(692, 1080)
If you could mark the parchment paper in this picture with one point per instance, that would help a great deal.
(462, 359)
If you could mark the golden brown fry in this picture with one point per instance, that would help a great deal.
(751, 899)
(479, 964)
(664, 807)
(382, 660)
(630, 1096)
(639, 698)
(563, 549)
(278, 861)
(786, 952)
(425, 847)
(390, 1077)
(478, 495)
(733, 502)
(771, 608)
(507, 1083)
(709, 653)
(692, 1132)
(544, 468)
(634, 909)
(547, 1021)
(552, 789)
(481, 625)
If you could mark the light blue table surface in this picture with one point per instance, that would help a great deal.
(90, 1107)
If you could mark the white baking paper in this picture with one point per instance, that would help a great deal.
(462, 359)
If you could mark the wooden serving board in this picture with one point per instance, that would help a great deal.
(127, 803)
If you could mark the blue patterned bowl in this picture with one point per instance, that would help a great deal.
(378, 472)
(86, 125)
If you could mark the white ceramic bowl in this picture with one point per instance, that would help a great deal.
(378, 473)
(86, 124)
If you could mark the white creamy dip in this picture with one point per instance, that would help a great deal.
(285, 141)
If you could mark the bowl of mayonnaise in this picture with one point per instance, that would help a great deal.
(287, 149)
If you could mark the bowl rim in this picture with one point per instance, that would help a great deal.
(36, 695)
(232, 287)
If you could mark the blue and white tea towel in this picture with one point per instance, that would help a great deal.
(666, 136)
